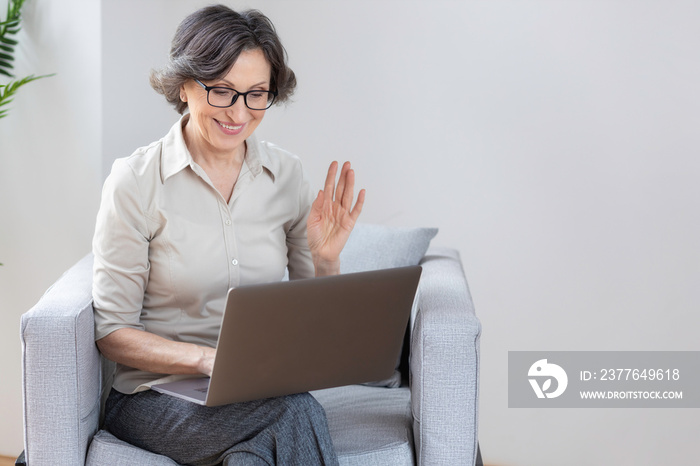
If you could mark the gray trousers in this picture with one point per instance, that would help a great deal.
(289, 430)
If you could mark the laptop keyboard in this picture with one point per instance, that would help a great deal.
(202, 390)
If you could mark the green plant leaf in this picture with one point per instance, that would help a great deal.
(8, 91)
(7, 41)
(11, 26)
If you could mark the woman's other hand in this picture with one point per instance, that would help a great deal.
(332, 218)
(206, 362)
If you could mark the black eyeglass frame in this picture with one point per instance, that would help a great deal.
(236, 95)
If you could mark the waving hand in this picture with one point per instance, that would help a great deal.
(332, 218)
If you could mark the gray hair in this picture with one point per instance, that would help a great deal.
(208, 42)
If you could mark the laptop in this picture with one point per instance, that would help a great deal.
(296, 336)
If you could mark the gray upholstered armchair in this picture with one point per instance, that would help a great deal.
(432, 420)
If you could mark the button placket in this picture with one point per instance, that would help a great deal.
(231, 250)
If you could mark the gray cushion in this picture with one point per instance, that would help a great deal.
(374, 247)
(107, 450)
(369, 425)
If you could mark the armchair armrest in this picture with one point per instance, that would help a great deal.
(444, 364)
(61, 371)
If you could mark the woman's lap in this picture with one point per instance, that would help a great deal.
(285, 430)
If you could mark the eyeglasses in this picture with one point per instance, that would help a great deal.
(224, 97)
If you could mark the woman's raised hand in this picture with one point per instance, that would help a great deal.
(332, 218)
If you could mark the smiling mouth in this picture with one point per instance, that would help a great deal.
(230, 127)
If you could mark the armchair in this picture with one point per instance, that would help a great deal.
(432, 420)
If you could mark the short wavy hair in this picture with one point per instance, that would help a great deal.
(209, 41)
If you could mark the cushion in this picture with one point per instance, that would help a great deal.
(374, 247)
(108, 450)
(369, 425)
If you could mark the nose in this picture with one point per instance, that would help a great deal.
(238, 112)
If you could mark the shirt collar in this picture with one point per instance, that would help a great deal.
(257, 158)
(175, 156)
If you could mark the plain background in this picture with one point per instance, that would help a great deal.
(554, 143)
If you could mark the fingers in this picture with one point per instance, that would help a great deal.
(329, 187)
(346, 186)
(317, 205)
(338, 194)
(345, 190)
(357, 210)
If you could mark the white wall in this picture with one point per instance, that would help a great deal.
(49, 174)
(559, 155)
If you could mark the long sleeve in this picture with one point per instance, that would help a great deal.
(120, 246)
(300, 264)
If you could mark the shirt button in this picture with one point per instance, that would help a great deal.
(228, 222)
(234, 262)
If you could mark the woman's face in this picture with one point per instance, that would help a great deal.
(223, 131)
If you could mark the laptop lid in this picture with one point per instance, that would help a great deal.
(292, 337)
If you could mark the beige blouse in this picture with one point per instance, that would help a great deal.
(168, 246)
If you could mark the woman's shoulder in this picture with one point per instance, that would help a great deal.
(280, 161)
(150, 160)
(143, 159)
(139, 172)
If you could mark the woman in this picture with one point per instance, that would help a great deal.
(207, 208)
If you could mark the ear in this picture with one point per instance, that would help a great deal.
(183, 93)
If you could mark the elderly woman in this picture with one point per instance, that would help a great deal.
(206, 208)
